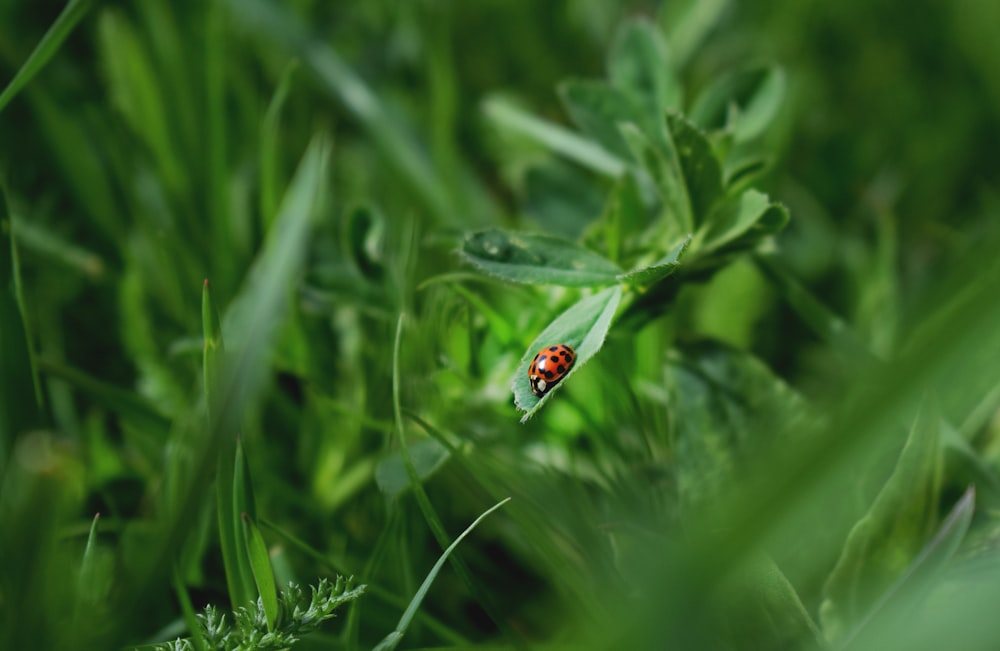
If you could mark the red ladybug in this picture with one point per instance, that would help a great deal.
(549, 366)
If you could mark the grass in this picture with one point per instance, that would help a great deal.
(273, 273)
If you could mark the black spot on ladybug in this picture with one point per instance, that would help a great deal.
(554, 358)
(561, 369)
(548, 375)
(554, 348)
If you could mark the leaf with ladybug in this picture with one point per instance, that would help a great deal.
(537, 259)
(582, 328)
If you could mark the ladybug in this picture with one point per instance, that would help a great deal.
(549, 366)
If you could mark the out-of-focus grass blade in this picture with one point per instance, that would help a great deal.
(21, 397)
(392, 639)
(269, 141)
(47, 244)
(74, 11)
(829, 327)
(188, 612)
(396, 141)
(90, 552)
(554, 137)
(426, 456)
(232, 476)
(127, 404)
(263, 575)
(252, 323)
(212, 337)
(955, 347)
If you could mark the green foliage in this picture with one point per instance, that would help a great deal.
(769, 233)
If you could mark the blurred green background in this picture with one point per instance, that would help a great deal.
(152, 151)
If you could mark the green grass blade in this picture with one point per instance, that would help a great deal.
(239, 502)
(68, 19)
(253, 322)
(392, 639)
(44, 242)
(214, 67)
(127, 404)
(415, 476)
(21, 399)
(263, 574)
(270, 140)
(232, 476)
(212, 337)
(188, 612)
(395, 140)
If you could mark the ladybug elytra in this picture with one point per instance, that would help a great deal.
(549, 366)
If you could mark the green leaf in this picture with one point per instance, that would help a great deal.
(554, 137)
(718, 395)
(561, 198)
(742, 168)
(894, 608)
(760, 604)
(598, 108)
(60, 30)
(536, 259)
(737, 226)
(584, 326)
(824, 323)
(427, 456)
(661, 163)
(392, 640)
(654, 273)
(688, 22)
(263, 575)
(639, 63)
(699, 166)
(884, 542)
(624, 215)
(744, 102)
